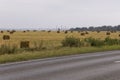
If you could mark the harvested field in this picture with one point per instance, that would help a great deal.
(52, 38)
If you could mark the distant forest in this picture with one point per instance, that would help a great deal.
(100, 28)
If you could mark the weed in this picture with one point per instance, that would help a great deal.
(71, 42)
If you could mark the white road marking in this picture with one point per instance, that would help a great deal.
(117, 61)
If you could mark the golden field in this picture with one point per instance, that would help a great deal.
(52, 42)
(50, 39)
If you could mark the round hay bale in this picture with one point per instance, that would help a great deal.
(82, 34)
(107, 33)
(6, 37)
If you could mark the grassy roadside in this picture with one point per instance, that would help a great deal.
(53, 53)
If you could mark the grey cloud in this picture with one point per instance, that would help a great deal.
(59, 12)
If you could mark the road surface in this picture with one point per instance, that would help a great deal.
(91, 66)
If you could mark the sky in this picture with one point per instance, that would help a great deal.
(49, 14)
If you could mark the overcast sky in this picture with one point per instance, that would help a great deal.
(56, 13)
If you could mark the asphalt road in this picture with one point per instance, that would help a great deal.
(93, 66)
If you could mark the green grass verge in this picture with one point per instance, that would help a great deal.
(53, 53)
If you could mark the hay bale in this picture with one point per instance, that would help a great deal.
(86, 32)
(66, 32)
(2, 31)
(24, 44)
(11, 32)
(98, 31)
(24, 31)
(82, 34)
(8, 31)
(58, 31)
(107, 33)
(49, 31)
(6, 37)
(119, 35)
(71, 31)
(34, 30)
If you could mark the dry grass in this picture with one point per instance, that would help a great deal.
(53, 53)
(51, 38)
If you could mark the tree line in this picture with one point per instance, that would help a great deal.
(100, 28)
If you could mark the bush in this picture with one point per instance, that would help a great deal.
(110, 41)
(38, 46)
(7, 49)
(78, 31)
(24, 44)
(113, 31)
(94, 42)
(71, 42)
